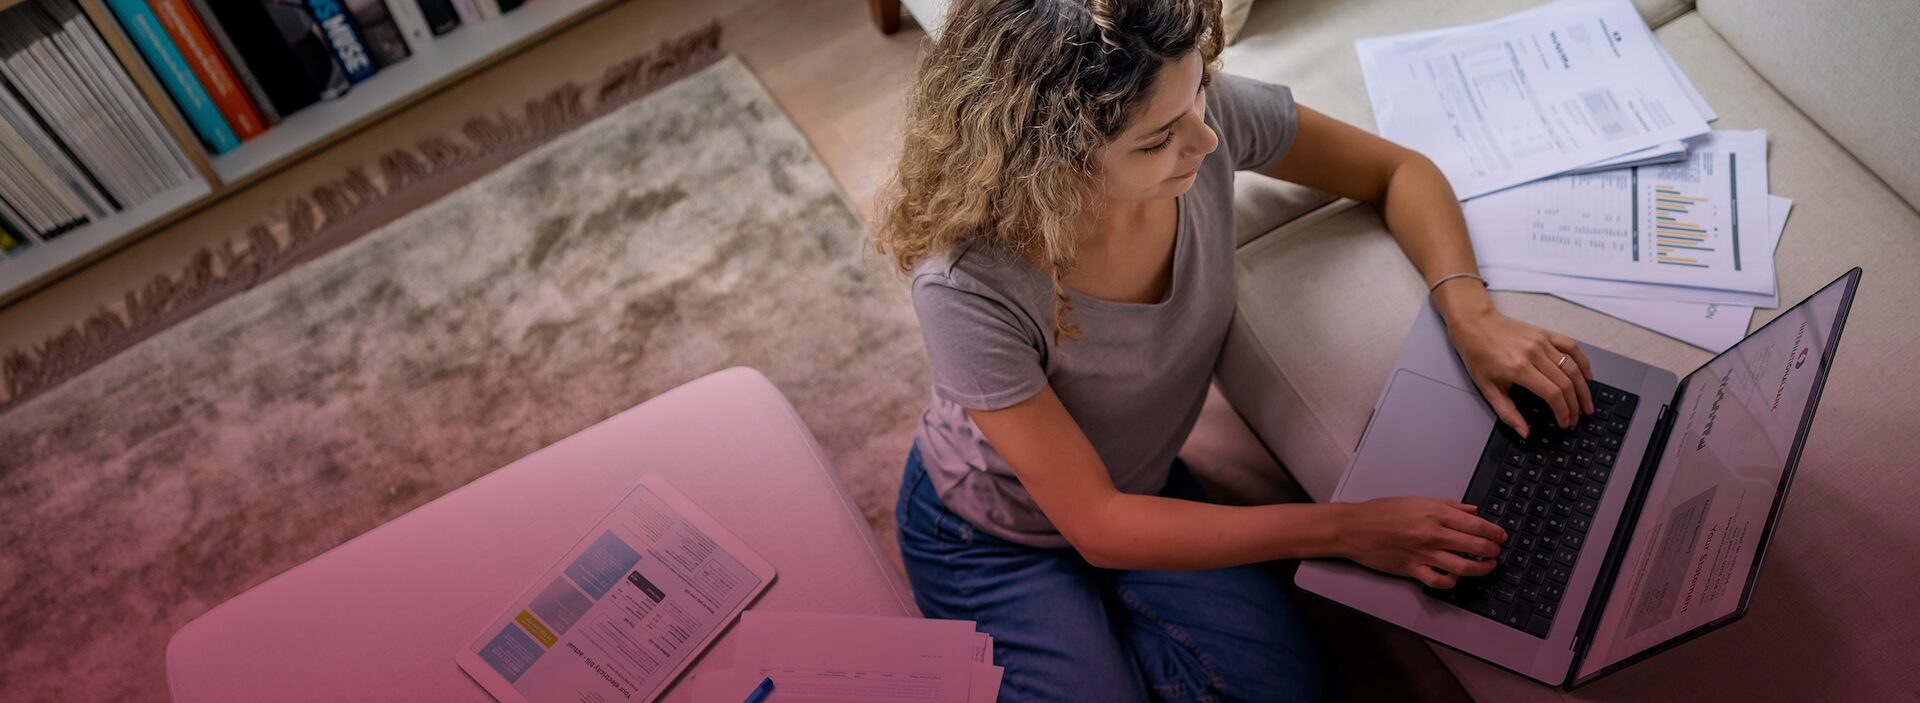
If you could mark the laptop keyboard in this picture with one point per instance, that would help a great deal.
(1544, 490)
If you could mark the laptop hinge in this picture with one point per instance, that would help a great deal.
(1622, 535)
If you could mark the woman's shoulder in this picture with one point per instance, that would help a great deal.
(975, 266)
(977, 274)
(1254, 119)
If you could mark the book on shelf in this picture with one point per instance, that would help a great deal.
(23, 181)
(261, 50)
(340, 33)
(33, 182)
(190, 36)
(440, 15)
(21, 237)
(151, 38)
(263, 103)
(379, 31)
(151, 148)
(411, 25)
(55, 155)
(23, 48)
(80, 142)
(9, 244)
(468, 10)
(311, 51)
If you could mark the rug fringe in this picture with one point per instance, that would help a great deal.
(320, 220)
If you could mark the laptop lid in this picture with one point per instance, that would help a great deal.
(1690, 562)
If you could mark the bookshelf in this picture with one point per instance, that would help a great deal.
(441, 64)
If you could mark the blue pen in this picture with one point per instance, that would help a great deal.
(760, 692)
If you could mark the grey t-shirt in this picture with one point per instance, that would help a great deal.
(1136, 377)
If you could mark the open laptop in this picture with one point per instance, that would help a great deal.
(1640, 528)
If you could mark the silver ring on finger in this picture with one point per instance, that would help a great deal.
(1563, 359)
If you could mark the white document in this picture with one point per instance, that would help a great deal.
(1686, 224)
(624, 612)
(1500, 278)
(1535, 282)
(1686, 85)
(725, 686)
(821, 658)
(1530, 96)
(1710, 326)
(1662, 154)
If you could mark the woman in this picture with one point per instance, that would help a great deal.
(1063, 202)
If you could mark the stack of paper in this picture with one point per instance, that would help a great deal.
(1582, 152)
(855, 659)
(1683, 249)
(1562, 86)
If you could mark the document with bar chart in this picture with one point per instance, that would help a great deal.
(1701, 222)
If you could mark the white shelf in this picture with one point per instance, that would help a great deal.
(447, 58)
(44, 261)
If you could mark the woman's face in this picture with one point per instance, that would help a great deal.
(1158, 154)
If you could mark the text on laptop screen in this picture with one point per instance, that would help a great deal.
(1734, 429)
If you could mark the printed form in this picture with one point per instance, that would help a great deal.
(625, 611)
(1530, 96)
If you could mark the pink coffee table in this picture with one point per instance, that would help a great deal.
(379, 618)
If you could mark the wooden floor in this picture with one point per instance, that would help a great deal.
(840, 80)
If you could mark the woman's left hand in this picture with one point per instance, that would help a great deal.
(1500, 351)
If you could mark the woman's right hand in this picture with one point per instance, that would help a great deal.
(1419, 537)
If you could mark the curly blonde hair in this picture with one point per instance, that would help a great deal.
(1007, 117)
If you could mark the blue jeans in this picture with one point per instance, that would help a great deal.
(1069, 631)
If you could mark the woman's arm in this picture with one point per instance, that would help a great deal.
(1420, 210)
(1065, 476)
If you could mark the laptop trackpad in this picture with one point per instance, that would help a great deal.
(1424, 441)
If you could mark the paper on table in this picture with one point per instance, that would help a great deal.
(625, 611)
(860, 659)
(724, 687)
(985, 686)
(1676, 224)
(1714, 328)
(719, 686)
(1529, 96)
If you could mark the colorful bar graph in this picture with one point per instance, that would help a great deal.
(1674, 235)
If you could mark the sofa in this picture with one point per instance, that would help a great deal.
(1326, 297)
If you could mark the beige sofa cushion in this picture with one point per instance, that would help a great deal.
(1308, 46)
(1233, 17)
(1851, 71)
(1326, 300)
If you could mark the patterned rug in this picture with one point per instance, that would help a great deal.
(638, 252)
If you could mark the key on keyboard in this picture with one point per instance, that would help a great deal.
(1543, 490)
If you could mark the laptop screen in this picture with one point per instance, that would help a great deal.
(1706, 512)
